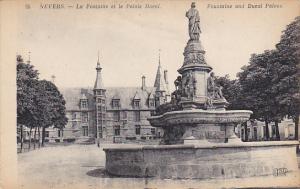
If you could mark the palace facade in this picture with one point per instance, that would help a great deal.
(115, 114)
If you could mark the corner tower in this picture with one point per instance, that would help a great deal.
(100, 97)
(161, 89)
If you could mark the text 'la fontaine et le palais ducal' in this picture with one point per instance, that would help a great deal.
(100, 6)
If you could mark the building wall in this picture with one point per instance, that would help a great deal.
(76, 127)
(286, 130)
(128, 126)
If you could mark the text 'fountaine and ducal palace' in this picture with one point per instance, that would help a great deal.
(116, 114)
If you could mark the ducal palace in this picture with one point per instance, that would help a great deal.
(116, 114)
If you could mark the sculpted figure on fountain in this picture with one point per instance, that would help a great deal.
(176, 95)
(194, 22)
(214, 91)
(189, 85)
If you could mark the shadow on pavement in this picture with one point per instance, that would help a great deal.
(102, 173)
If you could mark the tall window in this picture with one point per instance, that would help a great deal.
(60, 133)
(137, 129)
(242, 135)
(46, 133)
(116, 103)
(137, 116)
(153, 131)
(85, 131)
(290, 126)
(84, 118)
(116, 116)
(248, 133)
(117, 130)
(286, 132)
(101, 115)
(101, 118)
(100, 108)
(124, 115)
(273, 130)
(255, 133)
(265, 131)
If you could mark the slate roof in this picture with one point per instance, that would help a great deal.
(72, 97)
(125, 94)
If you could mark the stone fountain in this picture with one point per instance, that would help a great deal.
(199, 139)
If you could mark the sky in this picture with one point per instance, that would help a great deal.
(65, 42)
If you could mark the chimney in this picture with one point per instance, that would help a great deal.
(166, 76)
(143, 82)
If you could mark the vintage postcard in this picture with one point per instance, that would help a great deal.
(149, 94)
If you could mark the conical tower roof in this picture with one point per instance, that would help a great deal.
(159, 83)
(98, 82)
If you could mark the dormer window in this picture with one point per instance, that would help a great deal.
(84, 104)
(136, 103)
(151, 103)
(116, 103)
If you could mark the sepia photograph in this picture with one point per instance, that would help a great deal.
(149, 94)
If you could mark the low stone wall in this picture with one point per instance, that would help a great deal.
(203, 161)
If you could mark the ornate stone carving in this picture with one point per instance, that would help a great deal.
(194, 58)
(209, 103)
(199, 116)
(173, 135)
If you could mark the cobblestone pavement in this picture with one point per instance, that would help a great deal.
(82, 166)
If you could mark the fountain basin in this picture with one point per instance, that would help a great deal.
(215, 126)
(199, 116)
(205, 161)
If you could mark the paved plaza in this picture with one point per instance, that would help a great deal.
(82, 166)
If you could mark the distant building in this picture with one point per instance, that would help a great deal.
(255, 130)
(116, 114)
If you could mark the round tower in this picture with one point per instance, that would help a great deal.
(100, 98)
